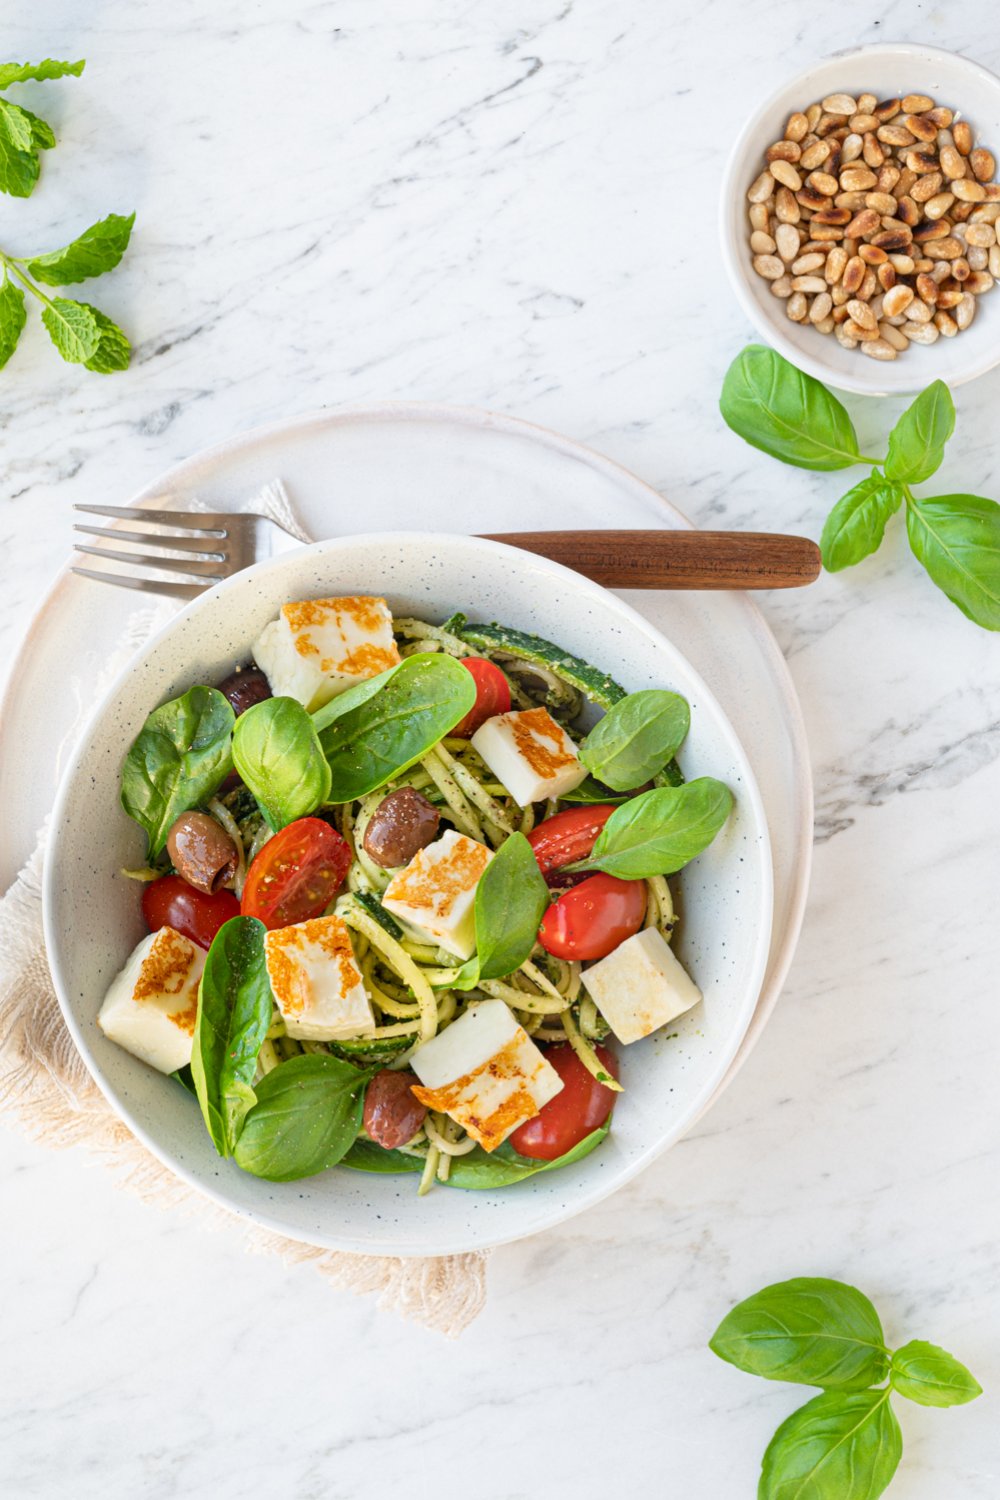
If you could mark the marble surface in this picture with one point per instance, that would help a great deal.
(514, 207)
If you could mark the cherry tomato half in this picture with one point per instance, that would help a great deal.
(568, 835)
(590, 920)
(581, 1105)
(492, 695)
(296, 874)
(171, 902)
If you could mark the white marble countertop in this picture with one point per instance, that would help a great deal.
(514, 207)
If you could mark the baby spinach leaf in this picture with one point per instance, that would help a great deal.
(931, 1376)
(636, 738)
(660, 831)
(809, 1330)
(307, 1115)
(234, 1012)
(277, 752)
(775, 407)
(916, 443)
(511, 900)
(179, 758)
(366, 1156)
(957, 538)
(856, 525)
(352, 697)
(842, 1445)
(395, 724)
(96, 250)
(592, 792)
(502, 1167)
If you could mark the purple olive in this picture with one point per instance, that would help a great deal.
(403, 823)
(245, 687)
(202, 852)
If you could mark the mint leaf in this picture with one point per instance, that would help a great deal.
(931, 1376)
(957, 538)
(17, 123)
(96, 250)
(12, 319)
(13, 72)
(18, 166)
(855, 527)
(916, 443)
(43, 137)
(114, 351)
(73, 329)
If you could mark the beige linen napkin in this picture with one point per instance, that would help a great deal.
(47, 1090)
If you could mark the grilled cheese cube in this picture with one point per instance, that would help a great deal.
(152, 1005)
(485, 1072)
(435, 895)
(316, 982)
(317, 648)
(531, 754)
(640, 986)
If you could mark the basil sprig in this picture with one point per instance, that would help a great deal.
(794, 418)
(511, 900)
(180, 757)
(844, 1444)
(234, 1012)
(660, 831)
(277, 752)
(636, 737)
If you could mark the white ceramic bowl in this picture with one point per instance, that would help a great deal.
(887, 71)
(92, 913)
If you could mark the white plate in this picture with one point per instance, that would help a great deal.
(428, 467)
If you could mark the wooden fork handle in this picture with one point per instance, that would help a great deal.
(677, 559)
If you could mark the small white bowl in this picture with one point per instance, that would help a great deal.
(886, 71)
(93, 920)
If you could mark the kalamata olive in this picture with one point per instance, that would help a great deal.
(202, 852)
(392, 1115)
(402, 823)
(245, 687)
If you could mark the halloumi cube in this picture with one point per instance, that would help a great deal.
(317, 648)
(316, 982)
(485, 1072)
(640, 986)
(434, 896)
(531, 754)
(152, 1005)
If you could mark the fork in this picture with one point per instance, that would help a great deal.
(215, 545)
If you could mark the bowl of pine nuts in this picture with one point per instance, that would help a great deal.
(860, 219)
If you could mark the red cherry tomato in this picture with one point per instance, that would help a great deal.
(581, 1105)
(568, 836)
(171, 902)
(590, 920)
(296, 874)
(492, 695)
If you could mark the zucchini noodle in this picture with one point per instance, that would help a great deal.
(354, 914)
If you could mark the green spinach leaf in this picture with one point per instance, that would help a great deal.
(916, 443)
(511, 900)
(856, 525)
(277, 752)
(660, 831)
(181, 755)
(931, 1376)
(957, 538)
(396, 723)
(809, 1330)
(366, 1156)
(308, 1114)
(842, 1445)
(636, 738)
(234, 1012)
(500, 1168)
(775, 407)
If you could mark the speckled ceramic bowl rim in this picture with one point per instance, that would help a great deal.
(760, 950)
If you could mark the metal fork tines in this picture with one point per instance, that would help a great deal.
(203, 547)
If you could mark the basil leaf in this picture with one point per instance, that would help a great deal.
(307, 1115)
(843, 1445)
(96, 250)
(931, 1376)
(12, 319)
(636, 738)
(366, 1156)
(113, 350)
(775, 407)
(592, 792)
(856, 525)
(72, 328)
(511, 900)
(916, 443)
(276, 751)
(957, 538)
(179, 758)
(395, 724)
(234, 1012)
(502, 1167)
(809, 1330)
(38, 72)
(660, 831)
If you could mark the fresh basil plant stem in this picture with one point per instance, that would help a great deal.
(844, 1444)
(794, 418)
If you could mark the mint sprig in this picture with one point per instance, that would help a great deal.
(22, 134)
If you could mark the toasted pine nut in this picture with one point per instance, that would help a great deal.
(882, 203)
(946, 249)
(895, 135)
(938, 206)
(962, 131)
(908, 213)
(797, 307)
(840, 104)
(893, 336)
(824, 183)
(782, 287)
(915, 104)
(786, 206)
(872, 150)
(797, 127)
(843, 338)
(761, 188)
(960, 269)
(940, 117)
(983, 163)
(965, 311)
(821, 308)
(811, 199)
(786, 238)
(852, 147)
(887, 109)
(886, 274)
(920, 333)
(854, 201)
(783, 151)
(919, 312)
(815, 155)
(927, 289)
(979, 282)
(807, 263)
(926, 187)
(920, 163)
(939, 271)
(952, 162)
(785, 173)
(994, 264)
(949, 297)
(867, 102)
(977, 257)
(811, 284)
(768, 266)
(813, 115)
(835, 263)
(945, 324)
(897, 301)
(968, 191)
(888, 178)
(872, 255)
(840, 298)
(857, 179)
(864, 223)
(903, 264)
(761, 243)
(980, 234)
(878, 349)
(759, 217)
(854, 274)
(862, 314)
(921, 127)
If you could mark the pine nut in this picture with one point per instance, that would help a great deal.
(960, 269)
(962, 132)
(938, 206)
(768, 266)
(807, 263)
(808, 284)
(893, 336)
(872, 255)
(887, 109)
(786, 206)
(761, 243)
(857, 179)
(843, 338)
(994, 265)
(919, 312)
(927, 290)
(783, 151)
(824, 183)
(761, 188)
(797, 127)
(945, 324)
(916, 104)
(759, 217)
(862, 314)
(895, 135)
(979, 282)
(977, 257)
(835, 263)
(952, 162)
(821, 308)
(921, 127)
(886, 276)
(965, 311)
(897, 301)
(968, 191)
(852, 147)
(920, 333)
(878, 349)
(981, 234)
(949, 297)
(872, 150)
(815, 155)
(797, 307)
(782, 287)
(785, 173)
(904, 264)
(983, 164)
(840, 104)
(864, 223)
(928, 185)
